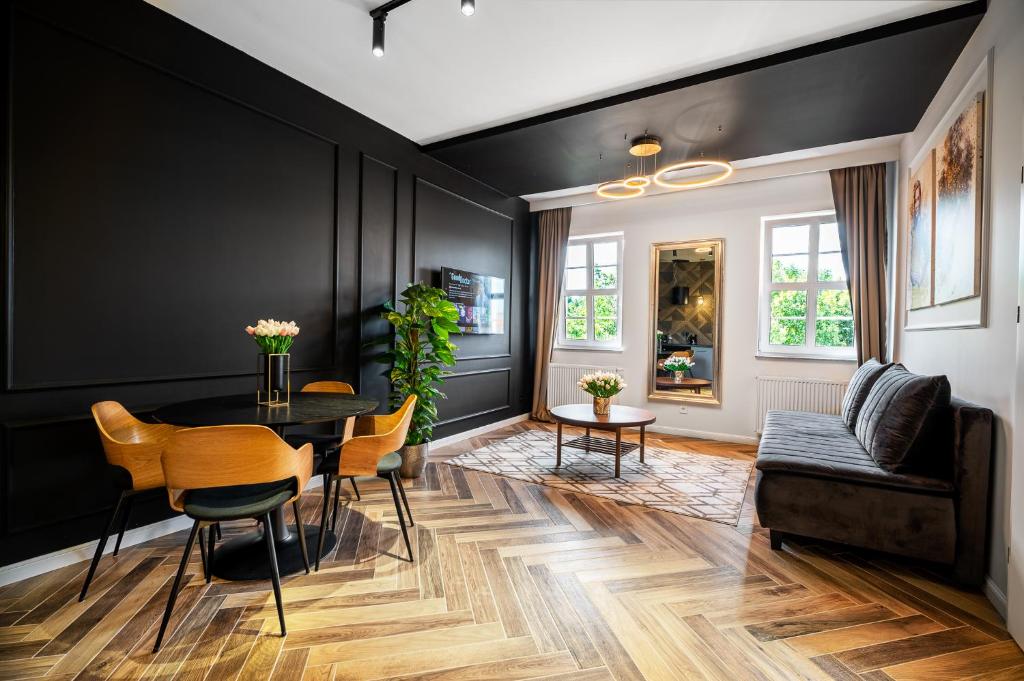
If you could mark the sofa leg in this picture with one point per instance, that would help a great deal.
(775, 537)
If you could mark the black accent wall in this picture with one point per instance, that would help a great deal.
(163, 190)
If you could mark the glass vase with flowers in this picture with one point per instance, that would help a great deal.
(273, 387)
(603, 386)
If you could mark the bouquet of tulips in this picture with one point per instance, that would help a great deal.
(602, 384)
(272, 336)
(678, 363)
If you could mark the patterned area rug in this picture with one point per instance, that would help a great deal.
(696, 485)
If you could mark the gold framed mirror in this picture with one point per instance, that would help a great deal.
(685, 329)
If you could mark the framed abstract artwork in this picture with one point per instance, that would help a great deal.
(921, 241)
(958, 186)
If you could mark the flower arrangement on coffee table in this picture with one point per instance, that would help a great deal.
(679, 365)
(603, 385)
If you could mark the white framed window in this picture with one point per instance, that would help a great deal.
(804, 308)
(590, 315)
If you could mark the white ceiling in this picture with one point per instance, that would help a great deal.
(445, 74)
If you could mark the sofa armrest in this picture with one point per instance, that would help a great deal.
(972, 461)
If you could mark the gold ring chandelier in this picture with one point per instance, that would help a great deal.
(636, 184)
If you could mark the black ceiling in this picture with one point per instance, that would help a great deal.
(864, 85)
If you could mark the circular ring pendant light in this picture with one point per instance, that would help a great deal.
(659, 177)
(619, 190)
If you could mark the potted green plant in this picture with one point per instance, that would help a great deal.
(418, 358)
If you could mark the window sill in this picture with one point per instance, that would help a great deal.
(589, 348)
(804, 356)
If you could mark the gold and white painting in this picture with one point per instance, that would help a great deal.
(921, 220)
(958, 200)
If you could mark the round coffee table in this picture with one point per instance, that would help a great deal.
(694, 384)
(618, 418)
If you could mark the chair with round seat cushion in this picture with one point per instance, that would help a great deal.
(374, 451)
(132, 449)
(256, 472)
(327, 444)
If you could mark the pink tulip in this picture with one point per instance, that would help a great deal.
(250, 330)
(283, 332)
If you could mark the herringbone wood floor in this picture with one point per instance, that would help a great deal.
(515, 581)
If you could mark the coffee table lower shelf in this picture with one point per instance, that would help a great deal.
(602, 445)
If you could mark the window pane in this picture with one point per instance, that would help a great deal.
(575, 306)
(828, 238)
(790, 239)
(789, 318)
(576, 279)
(788, 332)
(605, 277)
(606, 329)
(833, 303)
(833, 333)
(576, 256)
(830, 267)
(605, 306)
(789, 304)
(788, 268)
(576, 329)
(606, 253)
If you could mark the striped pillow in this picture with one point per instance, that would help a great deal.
(858, 389)
(897, 412)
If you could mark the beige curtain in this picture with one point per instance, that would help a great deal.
(552, 239)
(859, 195)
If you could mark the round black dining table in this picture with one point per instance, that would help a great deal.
(245, 557)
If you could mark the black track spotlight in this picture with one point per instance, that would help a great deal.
(469, 7)
(378, 35)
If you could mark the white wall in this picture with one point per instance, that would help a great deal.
(980, 362)
(733, 213)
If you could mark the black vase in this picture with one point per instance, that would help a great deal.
(273, 376)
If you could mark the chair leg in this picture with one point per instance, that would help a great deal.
(337, 495)
(322, 535)
(128, 503)
(300, 529)
(102, 545)
(177, 585)
(212, 539)
(401, 520)
(356, 489)
(401, 490)
(275, 576)
(775, 538)
(219, 535)
(202, 554)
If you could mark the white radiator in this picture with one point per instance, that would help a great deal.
(562, 379)
(797, 394)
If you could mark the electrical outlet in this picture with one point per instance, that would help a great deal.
(683, 410)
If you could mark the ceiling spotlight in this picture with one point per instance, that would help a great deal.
(469, 7)
(378, 35)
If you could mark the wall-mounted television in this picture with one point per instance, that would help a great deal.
(480, 299)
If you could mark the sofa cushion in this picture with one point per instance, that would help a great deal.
(860, 385)
(821, 445)
(896, 415)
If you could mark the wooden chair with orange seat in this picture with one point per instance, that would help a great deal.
(323, 445)
(256, 472)
(132, 449)
(373, 451)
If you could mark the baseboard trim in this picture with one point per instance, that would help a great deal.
(995, 596)
(467, 434)
(704, 434)
(83, 552)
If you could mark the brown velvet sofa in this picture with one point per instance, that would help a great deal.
(814, 479)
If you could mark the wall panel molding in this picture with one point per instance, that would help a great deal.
(353, 219)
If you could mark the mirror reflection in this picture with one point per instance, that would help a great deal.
(686, 320)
